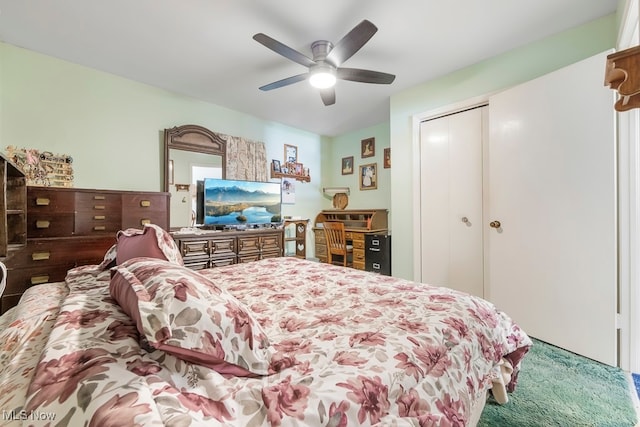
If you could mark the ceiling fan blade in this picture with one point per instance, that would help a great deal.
(283, 50)
(351, 43)
(285, 82)
(364, 76)
(328, 96)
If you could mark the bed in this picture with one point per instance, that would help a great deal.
(281, 341)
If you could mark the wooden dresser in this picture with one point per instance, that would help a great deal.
(357, 223)
(69, 227)
(219, 248)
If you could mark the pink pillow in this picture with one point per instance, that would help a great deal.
(183, 313)
(151, 242)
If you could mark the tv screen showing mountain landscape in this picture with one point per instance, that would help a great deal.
(231, 202)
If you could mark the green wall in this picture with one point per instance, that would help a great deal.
(113, 127)
(500, 72)
(348, 145)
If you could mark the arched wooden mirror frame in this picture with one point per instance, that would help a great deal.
(193, 138)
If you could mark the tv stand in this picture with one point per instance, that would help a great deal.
(217, 248)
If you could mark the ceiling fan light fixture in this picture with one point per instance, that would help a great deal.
(322, 77)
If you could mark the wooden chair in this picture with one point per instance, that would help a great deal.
(337, 243)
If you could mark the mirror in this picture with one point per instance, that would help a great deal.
(191, 153)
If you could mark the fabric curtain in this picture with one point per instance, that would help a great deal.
(246, 159)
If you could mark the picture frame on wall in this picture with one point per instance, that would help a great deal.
(369, 176)
(290, 153)
(275, 165)
(368, 147)
(347, 165)
(386, 162)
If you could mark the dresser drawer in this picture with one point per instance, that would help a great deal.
(248, 245)
(222, 261)
(358, 244)
(250, 257)
(194, 249)
(270, 254)
(41, 199)
(223, 247)
(19, 279)
(47, 252)
(141, 209)
(358, 255)
(139, 220)
(49, 224)
(358, 265)
(271, 243)
(88, 225)
(99, 203)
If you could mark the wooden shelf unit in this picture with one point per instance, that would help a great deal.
(622, 74)
(295, 233)
(13, 203)
(357, 223)
(299, 177)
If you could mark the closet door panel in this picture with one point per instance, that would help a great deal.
(451, 201)
(552, 262)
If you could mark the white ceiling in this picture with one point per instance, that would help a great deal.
(204, 48)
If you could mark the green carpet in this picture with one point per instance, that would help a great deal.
(560, 388)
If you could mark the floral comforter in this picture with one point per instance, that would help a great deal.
(351, 348)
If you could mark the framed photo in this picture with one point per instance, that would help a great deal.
(290, 153)
(347, 165)
(368, 147)
(298, 169)
(386, 163)
(369, 176)
(275, 165)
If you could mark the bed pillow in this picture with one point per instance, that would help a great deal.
(152, 241)
(183, 313)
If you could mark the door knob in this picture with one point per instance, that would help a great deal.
(465, 219)
(494, 224)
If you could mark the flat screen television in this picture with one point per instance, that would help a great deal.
(232, 203)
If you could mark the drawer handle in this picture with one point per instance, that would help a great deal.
(145, 221)
(99, 228)
(99, 217)
(376, 266)
(145, 203)
(43, 224)
(98, 197)
(36, 280)
(99, 207)
(43, 201)
(40, 256)
(374, 249)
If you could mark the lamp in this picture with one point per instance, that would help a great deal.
(322, 76)
(340, 196)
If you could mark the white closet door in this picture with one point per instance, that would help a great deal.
(552, 263)
(451, 201)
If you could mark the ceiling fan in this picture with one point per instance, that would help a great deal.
(325, 67)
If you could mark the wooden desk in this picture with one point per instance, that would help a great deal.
(358, 223)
